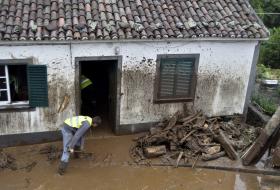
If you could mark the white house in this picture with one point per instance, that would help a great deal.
(147, 60)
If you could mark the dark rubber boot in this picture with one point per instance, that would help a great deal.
(62, 167)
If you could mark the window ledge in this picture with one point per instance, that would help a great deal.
(15, 106)
(173, 100)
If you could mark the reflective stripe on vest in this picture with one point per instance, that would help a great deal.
(85, 82)
(77, 121)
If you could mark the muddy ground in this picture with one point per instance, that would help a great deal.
(111, 168)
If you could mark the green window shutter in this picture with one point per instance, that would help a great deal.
(37, 85)
(167, 78)
(184, 76)
(176, 77)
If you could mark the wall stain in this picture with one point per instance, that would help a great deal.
(138, 87)
(219, 94)
(206, 90)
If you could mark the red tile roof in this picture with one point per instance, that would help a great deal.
(127, 19)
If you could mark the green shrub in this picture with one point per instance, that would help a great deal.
(268, 6)
(278, 91)
(265, 104)
(264, 72)
(270, 50)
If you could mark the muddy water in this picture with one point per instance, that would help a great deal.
(111, 169)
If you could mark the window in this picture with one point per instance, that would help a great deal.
(22, 85)
(176, 78)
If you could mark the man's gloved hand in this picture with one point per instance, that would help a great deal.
(71, 150)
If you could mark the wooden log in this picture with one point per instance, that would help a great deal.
(276, 151)
(178, 159)
(208, 157)
(276, 157)
(259, 147)
(212, 149)
(224, 141)
(187, 136)
(154, 151)
(193, 145)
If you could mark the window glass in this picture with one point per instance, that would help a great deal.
(2, 70)
(3, 84)
(23, 85)
(3, 96)
(18, 82)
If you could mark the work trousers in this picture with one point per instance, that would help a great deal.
(68, 134)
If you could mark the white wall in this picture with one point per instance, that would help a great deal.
(223, 76)
(60, 83)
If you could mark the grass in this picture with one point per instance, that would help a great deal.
(267, 73)
(265, 104)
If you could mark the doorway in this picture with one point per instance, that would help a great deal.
(101, 96)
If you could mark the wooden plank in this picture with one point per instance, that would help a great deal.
(154, 151)
(178, 159)
(208, 157)
(276, 157)
(224, 141)
(259, 147)
(187, 136)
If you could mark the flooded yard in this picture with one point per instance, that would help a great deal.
(112, 168)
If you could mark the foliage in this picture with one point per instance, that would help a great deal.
(272, 6)
(268, 6)
(264, 72)
(265, 104)
(258, 5)
(270, 50)
(278, 91)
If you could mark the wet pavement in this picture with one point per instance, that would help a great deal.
(112, 169)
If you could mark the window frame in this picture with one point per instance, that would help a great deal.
(19, 104)
(157, 98)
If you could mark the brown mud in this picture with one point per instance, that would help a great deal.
(112, 168)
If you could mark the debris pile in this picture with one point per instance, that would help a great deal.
(7, 161)
(194, 137)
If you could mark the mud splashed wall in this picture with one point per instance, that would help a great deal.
(60, 83)
(223, 76)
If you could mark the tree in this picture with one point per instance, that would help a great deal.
(268, 6)
(270, 50)
(272, 20)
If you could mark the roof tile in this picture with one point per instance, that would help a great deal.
(126, 19)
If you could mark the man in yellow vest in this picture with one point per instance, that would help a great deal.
(73, 133)
(88, 95)
(85, 82)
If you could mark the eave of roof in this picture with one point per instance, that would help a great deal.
(168, 40)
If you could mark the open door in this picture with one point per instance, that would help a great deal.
(101, 96)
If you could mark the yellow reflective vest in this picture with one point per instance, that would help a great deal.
(77, 121)
(85, 82)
